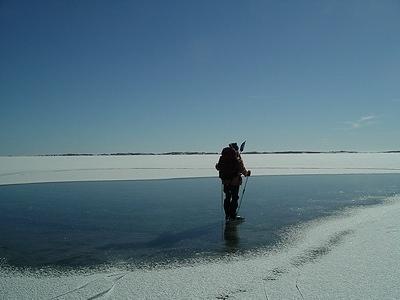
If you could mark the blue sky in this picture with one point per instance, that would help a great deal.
(158, 76)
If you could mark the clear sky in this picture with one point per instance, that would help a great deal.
(158, 76)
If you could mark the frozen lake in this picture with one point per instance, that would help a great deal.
(156, 222)
(31, 169)
(315, 236)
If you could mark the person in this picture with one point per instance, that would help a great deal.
(230, 166)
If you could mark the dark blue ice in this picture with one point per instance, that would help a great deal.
(81, 224)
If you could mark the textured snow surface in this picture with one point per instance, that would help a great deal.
(354, 255)
(86, 168)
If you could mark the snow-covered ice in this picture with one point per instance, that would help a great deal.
(352, 255)
(87, 168)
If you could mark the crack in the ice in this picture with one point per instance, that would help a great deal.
(108, 291)
(74, 290)
(114, 281)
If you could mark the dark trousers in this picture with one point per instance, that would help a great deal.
(231, 200)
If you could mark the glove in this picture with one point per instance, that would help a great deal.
(248, 173)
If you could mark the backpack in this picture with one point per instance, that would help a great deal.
(228, 164)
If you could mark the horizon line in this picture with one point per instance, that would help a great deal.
(199, 153)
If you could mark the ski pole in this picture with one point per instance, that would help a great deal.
(244, 189)
(222, 198)
(247, 178)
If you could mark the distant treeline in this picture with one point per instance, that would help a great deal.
(129, 153)
(209, 153)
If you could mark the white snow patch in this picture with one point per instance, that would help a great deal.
(89, 168)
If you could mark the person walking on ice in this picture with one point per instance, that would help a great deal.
(231, 168)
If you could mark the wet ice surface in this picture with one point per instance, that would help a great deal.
(81, 224)
(332, 236)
